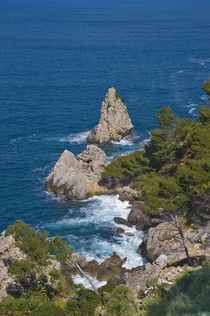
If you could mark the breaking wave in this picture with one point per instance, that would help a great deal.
(78, 138)
(90, 228)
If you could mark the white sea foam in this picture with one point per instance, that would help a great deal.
(79, 280)
(191, 110)
(180, 71)
(200, 61)
(191, 105)
(100, 210)
(99, 213)
(53, 197)
(78, 138)
(14, 140)
(126, 141)
(204, 97)
(146, 140)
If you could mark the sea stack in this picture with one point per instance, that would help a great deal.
(77, 177)
(114, 123)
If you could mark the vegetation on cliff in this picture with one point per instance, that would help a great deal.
(52, 292)
(172, 173)
(188, 296)
(43, 287)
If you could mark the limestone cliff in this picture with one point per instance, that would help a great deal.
(114, 123)
(77, 178)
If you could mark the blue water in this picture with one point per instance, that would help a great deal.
(56, 63)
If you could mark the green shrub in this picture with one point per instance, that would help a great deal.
(120, 302)
(189, 296)
(36, 245)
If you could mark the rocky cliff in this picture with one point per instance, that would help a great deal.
(77, 178)
(114, 123)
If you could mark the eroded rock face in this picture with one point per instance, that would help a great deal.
(77, 178)
(165, 239)
(111, 267)
(114, 123)
(8, 253)
(139, 217)
(127, 194)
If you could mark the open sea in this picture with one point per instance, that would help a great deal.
(56, 64)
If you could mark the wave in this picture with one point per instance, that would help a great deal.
(191, 110)
(14, 140)
(180, 71)
(126, 141)
(204, 97)
(78, 138)
(200, 61)
(95, 219)
(79, 280)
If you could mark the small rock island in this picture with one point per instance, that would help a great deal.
(114, 123)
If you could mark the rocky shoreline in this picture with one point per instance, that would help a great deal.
(80, 178)
(161, 247)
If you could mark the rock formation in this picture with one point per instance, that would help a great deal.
(111, 267)
(114, 123)
(164, 239)
(77, 178)
(9, 252)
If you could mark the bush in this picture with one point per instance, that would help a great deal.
(120, 302)
(189, 296)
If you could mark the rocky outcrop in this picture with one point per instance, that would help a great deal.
(139, 217)
(108, 269)
(137, 279)
(122, 221)
(142, 219)
(114, 123)
(8, 253)
(165, 239)
(127, 194)
(77, 178)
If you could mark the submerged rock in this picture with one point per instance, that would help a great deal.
(122, 221)
(77, 178)
(114, 123)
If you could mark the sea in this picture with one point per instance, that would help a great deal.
(57, 61)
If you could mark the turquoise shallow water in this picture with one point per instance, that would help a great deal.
(56, 64)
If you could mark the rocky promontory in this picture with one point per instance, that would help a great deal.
(77, 177)
(114, 123)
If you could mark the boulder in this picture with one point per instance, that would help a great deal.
(91, 268)
(127, 194)
(111, 267)
(120, 231)
(114, 123)
(162, 260)
(142, 219)
(164, 239)
(122, 221)
(139, 217)
(129, 234)
(77, 178)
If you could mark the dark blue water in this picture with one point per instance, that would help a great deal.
(56, 64)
